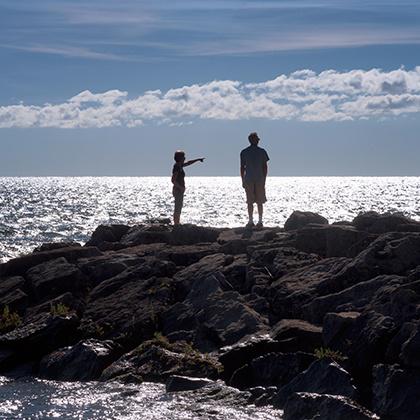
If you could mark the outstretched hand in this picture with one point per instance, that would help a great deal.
(201, 159)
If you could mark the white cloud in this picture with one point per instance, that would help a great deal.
(303, 95)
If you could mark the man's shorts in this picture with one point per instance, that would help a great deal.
(255, 192)
(179, 200)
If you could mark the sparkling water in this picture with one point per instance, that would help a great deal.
(45, 209)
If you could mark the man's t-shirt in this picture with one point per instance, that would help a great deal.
(253, 158)
(179, 173)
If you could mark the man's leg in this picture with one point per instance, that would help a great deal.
(251, 213)
(260, 212)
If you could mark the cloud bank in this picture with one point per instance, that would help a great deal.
(303, 95)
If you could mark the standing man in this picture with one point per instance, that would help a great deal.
(254, 173)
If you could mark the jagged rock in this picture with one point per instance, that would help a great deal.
(331, 240)
(337, 326)
(405, 332)
(306, 405)
(307, 335)
(352, 299)
(218, 318)
(84, 361)
(290, 293)
(42, 335)
(107, 266)
(410, 350)
(323, 376)
(55, 277)
(19, 266)
(176, 383)
(55, 245)
(396, 392)
(382, 223)
(184, 255)
(127, 310)
(157, 360)
(139, 235)
(232, 239)
(272, 369)
(299, 219)
(12, 293)
(188, 234)
(107, 233)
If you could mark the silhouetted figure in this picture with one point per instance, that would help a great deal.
(254, 173)
(178, 181)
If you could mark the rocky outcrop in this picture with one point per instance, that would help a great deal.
(329, 310)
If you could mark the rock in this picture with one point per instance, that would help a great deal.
(395, 392)
(42, 335)
(55, 277)
(291, 292)
(240, 354)
(236, 241)
(307, 335)
(176, 383)
(127, 310)
(55, 245)
(337, 326)
(331, 240)
(272, 369)
(299, 219)
(218, 318)
(184, 255)
(156, 360)
(352, 299)
(410, 350)
(188, 234)
(139, 235)
(19, 266)
(306, 405)
(405, 332)
(84, 361)
(323, 376)
(107, 233)
(382, 223)
(12, 293)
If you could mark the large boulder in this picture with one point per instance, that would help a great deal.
(323, 376)
(396, 392)
(84, 361)
(306, 405)
(299, 219)
(19, 266)
(185, 255)
(272, 369)
(382, 223)
(187, 234)
(54, 277)
(12, 293)
(107, 233)
(156, 360)
(146, 234)
(177, 383)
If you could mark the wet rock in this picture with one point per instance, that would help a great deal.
(305, 405)
(42, 335)
(84, 361)
(272, 369)
(323, 376)
(55, 277)
(157, 360)
(382, 223)
(176, 383)
(395, 392)
(107, 233)
(309, 336)
(299, 219)
(19, 266)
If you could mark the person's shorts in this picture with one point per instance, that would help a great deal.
(179, 200)
(255, 192)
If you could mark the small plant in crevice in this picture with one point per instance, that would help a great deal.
(9, 320)
(59, 309)
(327, 353)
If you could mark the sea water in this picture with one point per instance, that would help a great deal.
(45, 209)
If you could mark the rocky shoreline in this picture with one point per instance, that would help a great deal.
(312, 318)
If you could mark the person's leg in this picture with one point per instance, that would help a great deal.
(179, 199)
(250, 199)
(260, 199)
(260, 212)
(251, 212)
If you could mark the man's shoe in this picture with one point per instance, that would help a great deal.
(250, 225)
(260, 225)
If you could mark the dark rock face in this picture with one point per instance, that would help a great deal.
(84, 361)
(54, 277)
(410, 350)
(107, 233)
(322, 377)
(176, 383)
(12, 293)
(299, 219)
(305, 405)
(395, 392)
(156, 360)
(383, 223)
(55, 245)
(191, 234)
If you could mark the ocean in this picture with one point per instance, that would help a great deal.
(34, 210)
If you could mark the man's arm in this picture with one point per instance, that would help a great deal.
(190, 162)
(265, 170)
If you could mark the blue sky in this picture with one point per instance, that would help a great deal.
(114, 87)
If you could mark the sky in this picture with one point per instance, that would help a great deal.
(106, 87)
